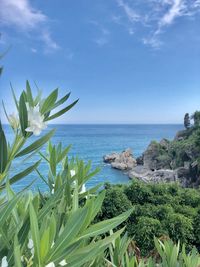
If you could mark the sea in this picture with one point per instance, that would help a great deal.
(91, 143)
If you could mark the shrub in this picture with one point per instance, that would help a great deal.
(138, 193)
(179, 228)
(115, 203)
(144, 231)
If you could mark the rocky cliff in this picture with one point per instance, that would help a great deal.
(164, 161)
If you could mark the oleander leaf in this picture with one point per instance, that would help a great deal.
(36, 145)
(49, 102)
(35, 233)
(23, 114)
(24, 173)
(29, 94)
(53, 161)
(5, 210)
(61, 101)
(14, 97)
(105, 226)
(61, 112)
(3, 150)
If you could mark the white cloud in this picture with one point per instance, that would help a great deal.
(177, 9)
(132, 15)
(101, 41)
(33, 50)
(102, 32)
(50, 43)
(20, 15)
(155, 16)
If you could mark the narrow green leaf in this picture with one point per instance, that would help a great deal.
(61, 112)
(3, 150)
(5, 110)
(17, 253)
(7, 208)
(89, 252)
(14, 97)
(105, 226)
(23, 114)
(61, 101)
(24, 173)
(53, 161)
(69, 233)
(63, 154)
(37, 144)
(29, 94)
(35, 232)
(49, 102)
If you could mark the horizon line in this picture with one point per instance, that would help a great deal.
(113, 123)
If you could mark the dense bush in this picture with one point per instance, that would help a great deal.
(115, 202)
(158, 209)
(138, 194)
(144, 231)
(179, 228)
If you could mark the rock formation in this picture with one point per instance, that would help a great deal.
(121, 161)
(166, 161)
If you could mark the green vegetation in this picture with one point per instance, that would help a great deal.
(158, 210)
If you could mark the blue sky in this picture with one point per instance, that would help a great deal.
(129, 61)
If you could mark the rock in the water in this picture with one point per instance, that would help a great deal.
(121, 161)
(110, 158)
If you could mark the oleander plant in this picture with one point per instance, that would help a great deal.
(52, 229)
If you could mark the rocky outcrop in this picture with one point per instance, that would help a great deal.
(164, 161)
(155, 157)
(159, 176)
(121, 161)
(156, 176)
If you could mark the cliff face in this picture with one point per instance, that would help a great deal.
(166, 161)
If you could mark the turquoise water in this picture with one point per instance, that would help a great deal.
(92, 142)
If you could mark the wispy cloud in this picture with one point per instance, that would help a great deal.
(102, 32)
(101, 41)
(177, 9)
(130, 12)
(155, 16)
(20, 15)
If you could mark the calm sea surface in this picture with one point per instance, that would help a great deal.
(92, 142)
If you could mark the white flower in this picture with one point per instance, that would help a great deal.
(36, 120)
(63, 263)
(74, 183)
(4, 262)
(13, 120)
(51, 264)
(83, 189)
(31, 246)
(72, 172)
(52, 191)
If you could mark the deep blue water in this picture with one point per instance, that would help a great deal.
(92, 142)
